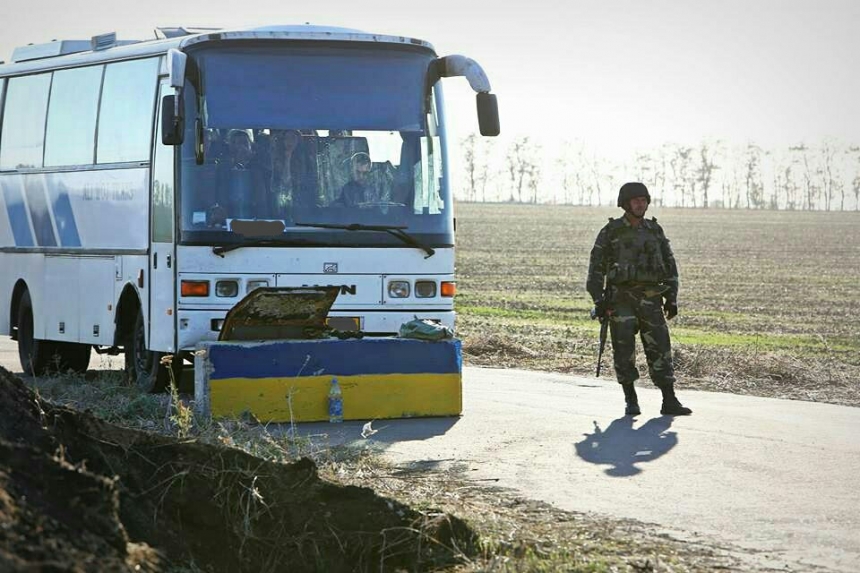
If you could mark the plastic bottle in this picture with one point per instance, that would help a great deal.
(335, 403)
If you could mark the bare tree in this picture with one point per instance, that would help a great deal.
(523, 168)
(780, 177)
(734, 178)
(790, 167)
(752, 181)
(643, 166)
(789, 186)
(567, 172)
(597, 180)
(533, 171)
(802, 152)
(661, 169)
(683, 183)
(855, 182)
(842, 181)
(470, 144)
(586, 179)
(513, 162)
(478, 166)
(534, 176)
(828, 181)
(855, 186)
(705, 173)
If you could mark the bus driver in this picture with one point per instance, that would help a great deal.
(357, 190)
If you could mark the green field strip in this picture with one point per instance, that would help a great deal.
(765, 341)
(682, 335)
(527, 315)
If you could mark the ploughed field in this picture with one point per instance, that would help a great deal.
(768, 299)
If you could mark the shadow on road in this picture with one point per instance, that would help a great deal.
(387, 432)
(621, 446)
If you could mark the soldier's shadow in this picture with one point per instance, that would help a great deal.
(621, 446)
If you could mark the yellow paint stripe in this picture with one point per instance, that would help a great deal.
(365, 397)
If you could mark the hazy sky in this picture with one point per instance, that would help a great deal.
(617, 74)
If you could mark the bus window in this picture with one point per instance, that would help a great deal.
(72, 117)
(24, 122)
(125, 117)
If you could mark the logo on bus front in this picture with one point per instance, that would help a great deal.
(330, 268)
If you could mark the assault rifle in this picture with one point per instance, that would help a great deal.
(604, 325)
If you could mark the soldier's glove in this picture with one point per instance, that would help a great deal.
(670, 307)
(600, 310)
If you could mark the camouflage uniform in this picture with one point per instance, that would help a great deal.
(639, 270)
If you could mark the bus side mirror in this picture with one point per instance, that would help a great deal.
(172, 122)
(176, 62)
(488, 114)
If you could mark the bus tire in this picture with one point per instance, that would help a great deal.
(143, 366)
(35, 355)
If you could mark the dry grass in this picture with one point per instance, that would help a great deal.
(520, 535)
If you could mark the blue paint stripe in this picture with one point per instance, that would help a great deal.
(39, 212)
(334, 357)
(17, 212)
(64, 216)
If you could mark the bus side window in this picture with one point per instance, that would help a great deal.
(72, 115)
(125, 116)
(25, 110)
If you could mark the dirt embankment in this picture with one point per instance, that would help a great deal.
(79, 494)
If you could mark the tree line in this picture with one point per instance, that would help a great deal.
(712, 174)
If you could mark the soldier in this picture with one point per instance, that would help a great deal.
(633, 280)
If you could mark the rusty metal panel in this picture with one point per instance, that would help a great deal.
(280, 313)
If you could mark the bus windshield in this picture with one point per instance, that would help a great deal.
(313, 135)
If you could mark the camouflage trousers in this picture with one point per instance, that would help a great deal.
(640, 310)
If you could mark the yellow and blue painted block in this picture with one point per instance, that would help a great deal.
(285, 380)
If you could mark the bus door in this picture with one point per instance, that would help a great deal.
(162, 258)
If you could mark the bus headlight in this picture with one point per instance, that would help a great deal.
(227, 288)
(260, 283)
(425, 289)
(398, 289)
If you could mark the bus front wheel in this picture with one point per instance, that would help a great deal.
(144, 366)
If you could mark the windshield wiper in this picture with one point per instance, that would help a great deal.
(394, 230)
(221, 249)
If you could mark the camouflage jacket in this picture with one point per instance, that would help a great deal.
(624, 255)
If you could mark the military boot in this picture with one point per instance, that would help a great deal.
(632, 401)
(671, 405)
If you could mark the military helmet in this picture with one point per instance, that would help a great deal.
(630, 190)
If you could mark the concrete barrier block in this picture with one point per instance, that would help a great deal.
(285, 380)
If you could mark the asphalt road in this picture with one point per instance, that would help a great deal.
(777, 478)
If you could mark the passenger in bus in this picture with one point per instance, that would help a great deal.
(357, 190)
(240, 185)
(214, 148)
(288, 171)
(262, 150)
(240, 149)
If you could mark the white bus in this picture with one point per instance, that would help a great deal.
(147, 187)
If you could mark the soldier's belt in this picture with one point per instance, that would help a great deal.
(643, 289)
